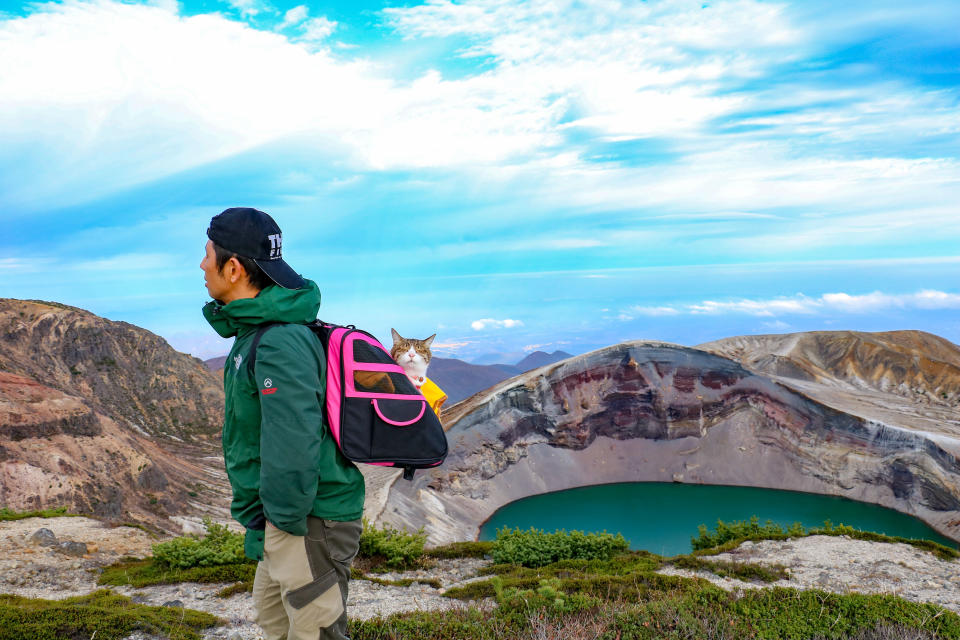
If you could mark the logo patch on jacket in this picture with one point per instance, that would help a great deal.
(268, 387)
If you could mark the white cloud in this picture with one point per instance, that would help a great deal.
(805, 305)
(317, 29)
(87, 83)
(294, 16)
(491, 323)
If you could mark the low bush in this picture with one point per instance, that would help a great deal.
(399, 549)
(742, 530)
(219, 546)
(537, 548)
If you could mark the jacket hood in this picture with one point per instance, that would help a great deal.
(273, 304)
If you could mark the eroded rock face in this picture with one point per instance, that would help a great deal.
(57, 451)
(903, 378)
(657, 412)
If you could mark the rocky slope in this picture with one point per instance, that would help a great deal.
(121, 371)
(906, 378)
(55, 450)
(643, 411)
(106, 419)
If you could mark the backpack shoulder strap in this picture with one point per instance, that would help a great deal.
(252, 354)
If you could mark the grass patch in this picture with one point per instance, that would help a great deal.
(102, 614)
(729, 535)
(58, 512)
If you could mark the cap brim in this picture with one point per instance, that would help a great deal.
(281, 273)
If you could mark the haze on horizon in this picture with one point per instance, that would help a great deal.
(510, 175)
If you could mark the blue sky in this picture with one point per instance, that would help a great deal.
(510, 175)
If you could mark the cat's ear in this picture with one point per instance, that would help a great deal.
(396, 336)
(429, 340)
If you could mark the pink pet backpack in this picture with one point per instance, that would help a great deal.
(375, 413)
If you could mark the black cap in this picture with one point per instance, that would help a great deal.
(253, 234)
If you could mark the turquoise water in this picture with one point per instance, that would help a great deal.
(662, 517)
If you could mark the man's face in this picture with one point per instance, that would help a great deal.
(217, 285)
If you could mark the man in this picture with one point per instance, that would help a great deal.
(300, 500)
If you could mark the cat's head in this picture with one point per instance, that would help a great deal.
(412, 354)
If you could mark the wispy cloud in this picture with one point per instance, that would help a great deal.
(248, 8)
(491, 323)
(806, 305)
(294, 16)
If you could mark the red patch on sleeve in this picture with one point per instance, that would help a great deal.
(267, 392)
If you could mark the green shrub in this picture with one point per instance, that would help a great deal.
(399, 548)
(219, 547)
(537, 548)
(547, 597)
(727, 531)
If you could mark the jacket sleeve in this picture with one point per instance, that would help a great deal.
(290, 379)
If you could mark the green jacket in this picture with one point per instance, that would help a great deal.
(281, 459)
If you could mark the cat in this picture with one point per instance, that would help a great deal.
(414, 356)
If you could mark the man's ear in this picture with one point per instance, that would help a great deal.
(234, 270)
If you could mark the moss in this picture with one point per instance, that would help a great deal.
(356, 574)
(141, 573)
(240, 587)
(102, 614)
(58, 512)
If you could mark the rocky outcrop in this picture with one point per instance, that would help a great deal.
(57, 451)
(119, 370)
(643, 411)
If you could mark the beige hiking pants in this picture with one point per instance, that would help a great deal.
(300, 589)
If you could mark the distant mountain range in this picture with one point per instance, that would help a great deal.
(459, 379)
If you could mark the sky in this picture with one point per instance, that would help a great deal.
(512, 176)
